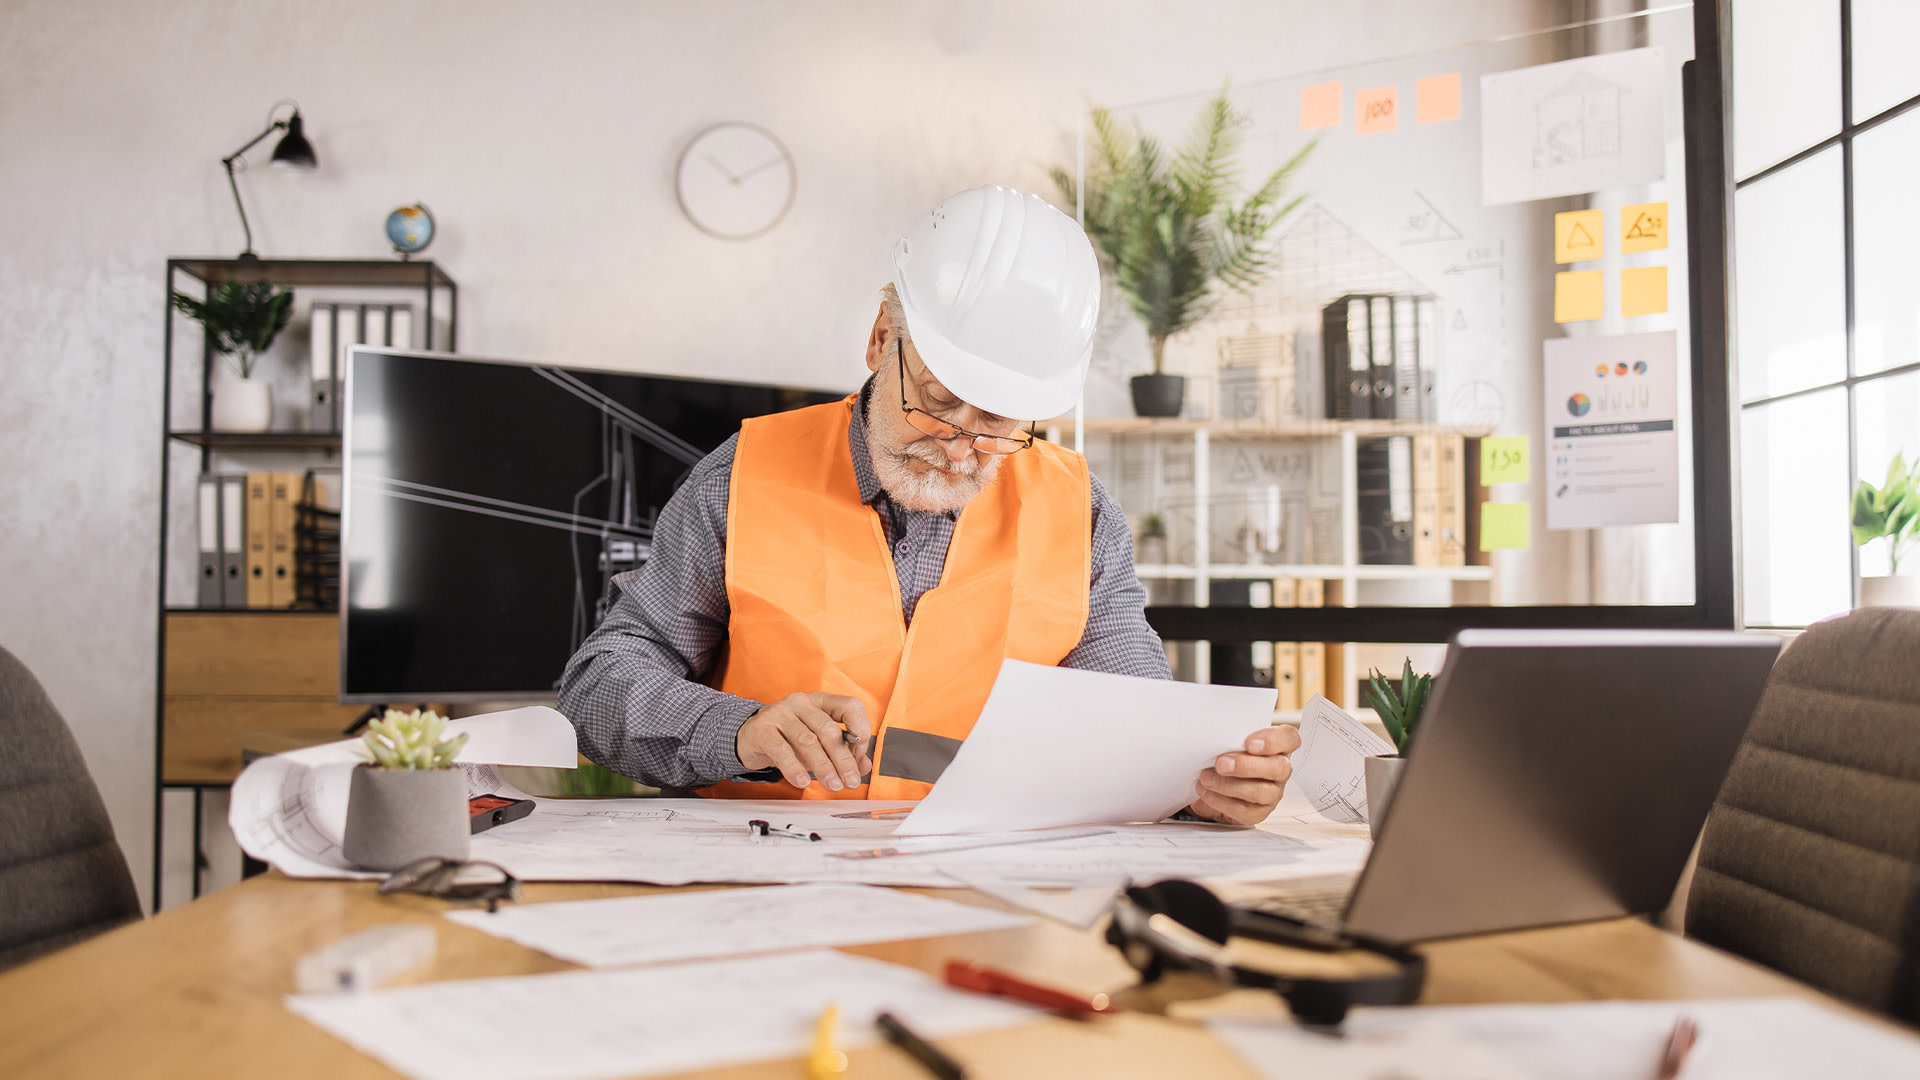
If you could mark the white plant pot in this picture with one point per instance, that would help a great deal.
(1901, 591)
(242, 405)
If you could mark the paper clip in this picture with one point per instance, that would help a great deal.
(758, 828)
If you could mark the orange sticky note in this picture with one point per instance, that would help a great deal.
(1643, 290)
(1579, 295)
(1576, 235)
(1376, 110)
(1436, 98)
(1643, 227)
(1320, 106)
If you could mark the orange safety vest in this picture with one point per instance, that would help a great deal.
(816, 606)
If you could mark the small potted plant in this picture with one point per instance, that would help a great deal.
(1399, 708)
(409, 801)
(1890, 512)
(1167, 230)
(1153, 540)
(241, 321)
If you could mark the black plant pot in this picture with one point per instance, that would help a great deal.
(1158, 395)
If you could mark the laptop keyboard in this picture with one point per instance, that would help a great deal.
(1321, 907)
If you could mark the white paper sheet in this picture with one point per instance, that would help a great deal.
(1573, 127)
(1079, 907)
(682, 841)
(1329, 769)
(1059, 746)
(585, 1025)
(627, 930)
(290, 809)
(1750, 1039)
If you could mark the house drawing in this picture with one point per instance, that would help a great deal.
(1577, 122)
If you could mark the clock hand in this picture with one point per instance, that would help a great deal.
(723, 169)
(757, 168)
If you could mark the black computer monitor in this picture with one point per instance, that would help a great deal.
(487, 503)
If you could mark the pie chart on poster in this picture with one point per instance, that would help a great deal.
(1579, 404)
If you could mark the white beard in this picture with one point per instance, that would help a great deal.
(930, 491)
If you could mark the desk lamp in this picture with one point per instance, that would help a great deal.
(293, 152)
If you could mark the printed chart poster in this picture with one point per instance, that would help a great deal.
(1613, 454)
(1572, 127)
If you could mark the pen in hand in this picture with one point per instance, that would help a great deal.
(1673, 1059)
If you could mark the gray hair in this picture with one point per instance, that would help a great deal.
(896, 315)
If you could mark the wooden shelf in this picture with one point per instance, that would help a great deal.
(362, 272)
(259, 440)
(1302, 428)
(1362, 572)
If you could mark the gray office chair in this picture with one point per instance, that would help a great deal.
(62, 876)
(1811, 859)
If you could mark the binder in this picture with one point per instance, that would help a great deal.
(346, 333)
(1407, 400)
(1427, 356)
(1380, 357)
(1313, 671)
(1385, 501)
(283, 491)
(1450, 469)
(1286, 675)
(1310, 592)
(1285, 592)
(1426, 500)
(373, 328)
(400, 326)
(1333, 674)
(259, 528)
(212, 567)
(1345, 355)
(233, 541)
(320, 366)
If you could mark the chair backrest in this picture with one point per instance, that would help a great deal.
(1810, 862)
(62, 876)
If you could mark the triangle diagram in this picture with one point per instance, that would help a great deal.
(1579, 238)
(1638, 233)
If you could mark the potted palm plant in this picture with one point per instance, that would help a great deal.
(1890, 512)
(241, 321)
(1399, 708)
(409, 801)
(1168, 231)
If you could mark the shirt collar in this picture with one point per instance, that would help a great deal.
(870, 488)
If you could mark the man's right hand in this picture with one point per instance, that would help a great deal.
(801, 735)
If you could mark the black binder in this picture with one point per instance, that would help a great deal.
(1384, 498)
(1346, 353)
(1380, 359)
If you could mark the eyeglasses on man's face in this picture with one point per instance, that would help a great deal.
(928, 424)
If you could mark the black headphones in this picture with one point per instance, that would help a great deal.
(1180, 926)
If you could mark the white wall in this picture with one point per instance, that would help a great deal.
(543, 136)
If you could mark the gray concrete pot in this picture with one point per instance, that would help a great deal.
(395, 816)
(1383, 775)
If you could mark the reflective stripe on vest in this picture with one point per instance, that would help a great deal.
(815, 604)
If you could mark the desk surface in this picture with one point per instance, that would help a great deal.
(195, 992)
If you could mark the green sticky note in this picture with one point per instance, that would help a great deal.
(1504, 460)
(1504, 525)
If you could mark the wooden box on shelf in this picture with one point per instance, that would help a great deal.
(239, 681)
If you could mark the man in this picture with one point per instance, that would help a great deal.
(831, 593)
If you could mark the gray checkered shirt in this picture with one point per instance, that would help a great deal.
(633, 690)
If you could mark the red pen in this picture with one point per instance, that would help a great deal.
(980, 978)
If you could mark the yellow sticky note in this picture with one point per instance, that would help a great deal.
(1504, 460)
(1320, 106)
(1436, 98)
(1576, 235)
(1579, 295)
(1643, 227)
(1504, 525)
(1376, 110)
(1643, 290)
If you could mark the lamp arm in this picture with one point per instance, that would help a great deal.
(232, 183)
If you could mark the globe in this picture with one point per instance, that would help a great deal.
(410, 229)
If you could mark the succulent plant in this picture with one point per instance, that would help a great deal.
(1399, 707)
(412, 740)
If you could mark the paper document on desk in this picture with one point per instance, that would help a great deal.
(623, 931)
(1060, 746)
(1329, 769)
(585, 1025)
(1748, 1039)
(290, 809)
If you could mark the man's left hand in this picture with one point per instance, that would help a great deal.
(1242, 788)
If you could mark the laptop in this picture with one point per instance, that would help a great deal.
(1556, 777)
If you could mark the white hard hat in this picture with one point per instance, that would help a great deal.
(1001, 293)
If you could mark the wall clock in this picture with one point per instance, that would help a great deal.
(735, 181)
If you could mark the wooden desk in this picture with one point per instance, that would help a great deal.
(195, 992)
